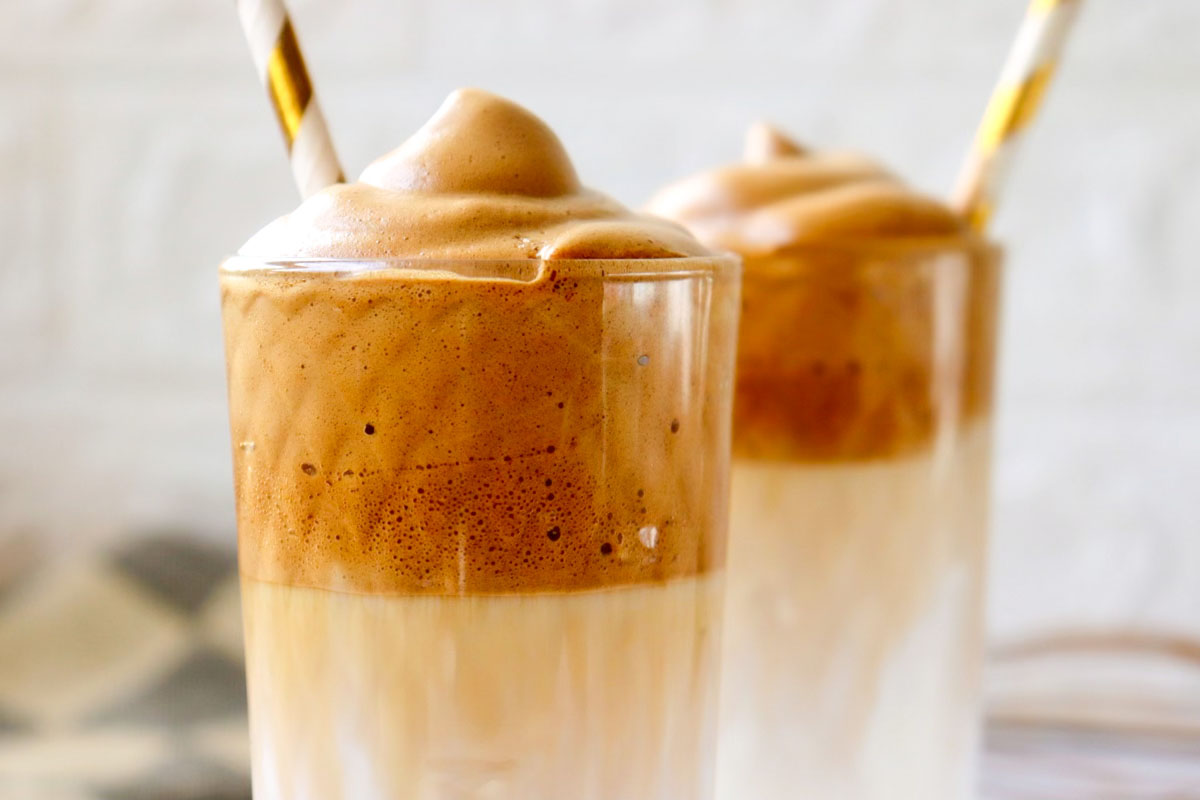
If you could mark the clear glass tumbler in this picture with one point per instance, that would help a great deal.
(862, 447)
(481, 521)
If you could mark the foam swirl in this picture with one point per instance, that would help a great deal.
(483, 179)
(783, 195)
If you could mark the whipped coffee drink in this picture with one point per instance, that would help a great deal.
(480, 419)
(860, 477)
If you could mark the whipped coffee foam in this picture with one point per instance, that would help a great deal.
(846, 271)
(483, 179)
(782, 195)
(423, 430)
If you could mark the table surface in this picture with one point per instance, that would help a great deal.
(121, 679)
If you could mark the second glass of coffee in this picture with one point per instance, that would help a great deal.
(862, 448)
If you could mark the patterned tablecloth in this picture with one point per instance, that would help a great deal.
(121, 679)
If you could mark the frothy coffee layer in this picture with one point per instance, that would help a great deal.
(424, 432)
(783, 195)
(860, 353)
(485, 179)
(455, 427)
(868, 310)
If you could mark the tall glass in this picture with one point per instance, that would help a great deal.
(481, 521)
(862, 445)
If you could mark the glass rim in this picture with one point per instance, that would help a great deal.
(526, 269)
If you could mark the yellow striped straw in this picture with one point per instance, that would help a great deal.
(281, 67)
(1015, 101)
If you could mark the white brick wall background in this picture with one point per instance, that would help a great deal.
(136, 149)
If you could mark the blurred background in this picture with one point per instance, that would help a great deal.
(137, 149)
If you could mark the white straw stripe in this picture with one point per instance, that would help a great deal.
(1038, 43)
(996, 170)
(262, 20)
(313, 160)
(311, 165)
(1028, 68)
(1057, 24)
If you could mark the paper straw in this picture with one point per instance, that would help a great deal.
(281, 67)
(1014, 104)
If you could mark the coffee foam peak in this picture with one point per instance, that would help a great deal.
(483, 179)
(783, 195)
